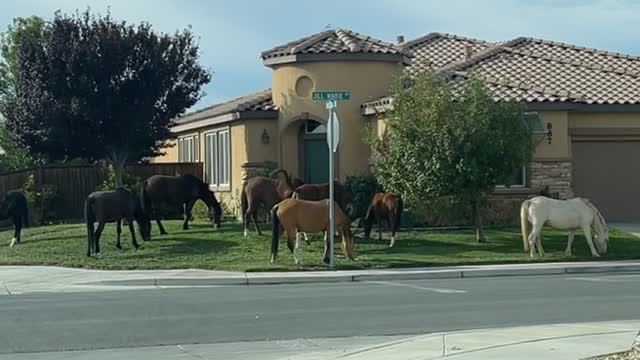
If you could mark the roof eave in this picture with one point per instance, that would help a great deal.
(224, 118)
(344, 56)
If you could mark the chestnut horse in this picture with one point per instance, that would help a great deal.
(384, 205)
(261, 190)
(316, 192)
(113, 206)
(293, 215)
(181, 191)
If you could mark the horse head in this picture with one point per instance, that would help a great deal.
(601, 235)
(215, 209)
(144, 222)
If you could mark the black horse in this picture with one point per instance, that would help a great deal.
(14, 206)
(113, 206)
(181, 191)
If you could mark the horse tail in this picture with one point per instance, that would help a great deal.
(398, 210)
(524, 223)
(89, 217)
(145, 200)
(244, 202)
(275, 237)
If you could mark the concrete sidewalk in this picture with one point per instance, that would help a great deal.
(561, 342)
(21, 279)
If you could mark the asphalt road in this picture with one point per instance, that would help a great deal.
(132, 318)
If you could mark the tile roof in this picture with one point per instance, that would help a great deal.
(536, 70)
(436, 50)
(334, 41)
(256, 101)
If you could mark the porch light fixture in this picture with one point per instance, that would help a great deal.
(538, 131)
(265, 137)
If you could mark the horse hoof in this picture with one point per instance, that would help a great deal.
(326, 261)
(119, 247)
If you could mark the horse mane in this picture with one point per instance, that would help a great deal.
(600, 219)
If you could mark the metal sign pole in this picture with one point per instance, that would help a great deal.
(331, 210)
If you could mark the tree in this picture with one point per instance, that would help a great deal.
(12, 155)
(102, 90)
(453, 142)
(22, 29)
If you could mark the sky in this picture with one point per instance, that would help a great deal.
(232, 34)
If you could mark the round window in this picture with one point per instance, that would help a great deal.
(304, 86)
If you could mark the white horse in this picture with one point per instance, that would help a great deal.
(572, 214)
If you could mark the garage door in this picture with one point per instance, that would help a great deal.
(608, 173)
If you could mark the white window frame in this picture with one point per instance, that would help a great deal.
(193, 151)
(217, 159)
(517, 186)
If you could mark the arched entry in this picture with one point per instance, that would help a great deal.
(314, 157)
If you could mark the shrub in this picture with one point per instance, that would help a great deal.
(40, 199)
(131, 182)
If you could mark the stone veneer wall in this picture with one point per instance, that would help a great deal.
(555, 176)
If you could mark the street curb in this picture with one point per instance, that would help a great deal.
(359, 276)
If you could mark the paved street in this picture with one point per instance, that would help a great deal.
(165, 316)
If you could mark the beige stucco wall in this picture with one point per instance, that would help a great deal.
(559, 146)
(171, 154)
(366, 80)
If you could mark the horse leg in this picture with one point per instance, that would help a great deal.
(392, 229)
(119, 231)
(17, 224)
(587, 234)
(534, 238)
(188, 206)
(96, 238)
(162, 231)
(291, 243)
(572, 234)
(134, 241)
(326, 258)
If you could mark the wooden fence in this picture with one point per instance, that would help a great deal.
(74, 183)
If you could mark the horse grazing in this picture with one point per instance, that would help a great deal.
(384, 206)
(14, 206)
(261, 190)
(113, 206)
(293, 215)
(177, 191)
(572, 214)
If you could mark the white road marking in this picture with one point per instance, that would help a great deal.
(620, 278)
(438, 290)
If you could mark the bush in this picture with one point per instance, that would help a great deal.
(40, 198)
(131, 182)
(360, 191)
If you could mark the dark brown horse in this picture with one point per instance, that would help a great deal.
(264, 191)
(14, 206)
(384, 206)
(316, 192)
(176, 191)
(113, 206)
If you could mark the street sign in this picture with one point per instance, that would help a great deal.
(333, 132)
(331, 95)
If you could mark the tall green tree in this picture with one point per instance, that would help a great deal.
(12, 155)
(97, 88)
(449, 142)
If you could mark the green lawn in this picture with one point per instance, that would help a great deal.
(226, 249)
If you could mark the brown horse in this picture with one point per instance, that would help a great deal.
(113, 206)
(295, 215)
(316, 192)
(384, 205)
(264, 191)
(181, 191)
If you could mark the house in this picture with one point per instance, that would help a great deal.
(587, 100)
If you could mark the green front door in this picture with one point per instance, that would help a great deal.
(316, 161)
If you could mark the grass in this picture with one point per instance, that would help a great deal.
(226, 249)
